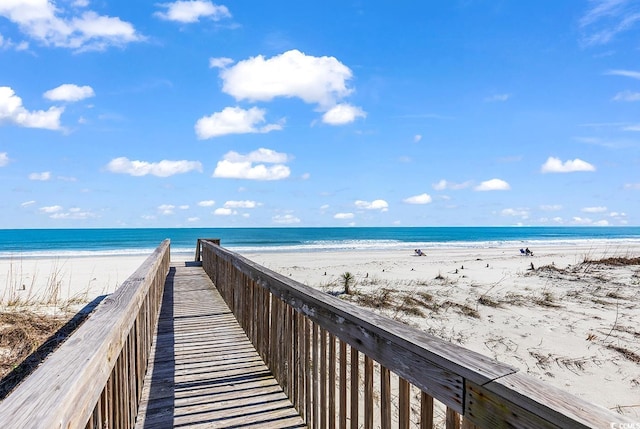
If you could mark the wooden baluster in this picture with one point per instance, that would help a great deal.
(307, 373)
(452, 419)
(332, 381)
(368, 393)
(385, 398)
(315, 369)
(343, 385)
(355, 383)
(323, 378)
(404, 404)
(426, 411)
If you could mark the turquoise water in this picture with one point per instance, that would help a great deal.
(89, 242)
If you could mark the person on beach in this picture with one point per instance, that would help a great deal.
(420, 252)
(528, 252)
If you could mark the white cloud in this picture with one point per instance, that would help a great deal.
(193, 219)
(627, 96)
(28, 203)
(523, 213)
(555, 165)
(443, 184)
(74, 213)
(69, 92)
(581, 221)
(246, 204)
(51, 209)
(245, 170)
(343, 114)
(635, 127)
(587, 221)
(44, 176)
(417, 138)
(606, 19)
(493, 185)
(626, 73)
(381, 205)
(82, 30)
(343, 216)
(418, 199)
(4, 159)
(259, 155)
(207, 203)
(190, 11)
(551, 207)
(237, 166)
(163, 168)
(184, 207)
(287, 219)
(233, 120)
(10, 44)
(594, 209)
(219, 63)
(12, 111)
(224, 212)
(315, 80)
(633, 186)
(166, 209)
(497, 97)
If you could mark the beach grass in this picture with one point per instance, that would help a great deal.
(35, 318)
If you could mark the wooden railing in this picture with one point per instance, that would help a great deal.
(343, 366)
(94, 379)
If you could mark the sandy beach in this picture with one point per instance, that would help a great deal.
(50, 280)
(557, 315)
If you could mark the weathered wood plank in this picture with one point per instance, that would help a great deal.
(525, 402)
(204, 371)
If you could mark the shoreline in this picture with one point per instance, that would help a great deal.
(568, 321)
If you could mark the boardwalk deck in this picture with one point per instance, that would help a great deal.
(203, 371)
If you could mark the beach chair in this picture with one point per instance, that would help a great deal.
(522, 252)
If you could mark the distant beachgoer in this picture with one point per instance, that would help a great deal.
(420, 252)
(528, 252)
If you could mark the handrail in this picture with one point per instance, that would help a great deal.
(295, 327)
(95, 378)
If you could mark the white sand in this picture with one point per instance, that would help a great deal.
(568, 326)
(30, 280)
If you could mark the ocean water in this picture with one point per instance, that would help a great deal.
(97, 242)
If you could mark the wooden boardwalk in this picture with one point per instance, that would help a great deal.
(203, 371)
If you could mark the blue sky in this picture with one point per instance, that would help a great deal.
(332, 113)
